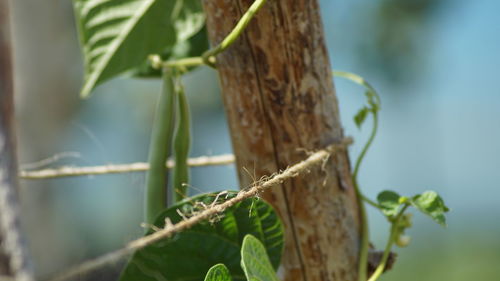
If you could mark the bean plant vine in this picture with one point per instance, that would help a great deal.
(112, 34)
(391, 204)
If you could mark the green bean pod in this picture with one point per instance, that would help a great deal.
(160, 149)
(182, 143)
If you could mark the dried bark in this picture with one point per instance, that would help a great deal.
(280, 103)
(13, 258)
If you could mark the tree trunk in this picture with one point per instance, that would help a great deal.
(13, 259)
(280, 104)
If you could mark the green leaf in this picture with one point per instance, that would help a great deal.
(259, 219)
(193, 47)
(255, 262)
(360, 117)
(187, 255)
(389, 202)
(189, 18)
(190, 254)
(431, 204)
(218, 272)
(192, 39)
(117, 36)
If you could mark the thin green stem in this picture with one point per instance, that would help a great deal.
(365, 244)
(208, 57)
(358, 80)
(182, 142)
(185, 62)
(365, 234)
(392, 238)
(367, 145)
(374, 110)
(159, 150)
(369, 201)
(234, 34)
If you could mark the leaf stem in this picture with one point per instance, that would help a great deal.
(159, 150)
(392, 238)
(365, 234)
(208, 57)
(369, 201)
(234, 34)
(185, 62)
(367, 145)
(365, 243)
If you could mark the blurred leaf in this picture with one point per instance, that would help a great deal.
(431, 204)
(189, 18)
(193, 47)
(192, 39)
(117, 36)
(389, 202)
(190, 254)
(360, 117)
(186, 256)
(218, 272)
(255, 262)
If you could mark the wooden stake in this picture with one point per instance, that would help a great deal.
(280, 103)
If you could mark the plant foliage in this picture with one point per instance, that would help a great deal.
(190, 254)
(218, 272)
(117, 36)
(255, 262)
(428, 203)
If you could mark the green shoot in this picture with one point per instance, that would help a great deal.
(373, 107)
(393, 206)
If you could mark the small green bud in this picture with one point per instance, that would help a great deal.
(403, 241)
(406, 220)
(155, 61)
(403, 200)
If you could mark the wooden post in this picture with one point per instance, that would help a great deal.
(280, 104)
(14, 262)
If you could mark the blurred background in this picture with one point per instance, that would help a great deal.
(434, 62)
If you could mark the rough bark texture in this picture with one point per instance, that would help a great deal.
(280, 103)
(13, 257)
